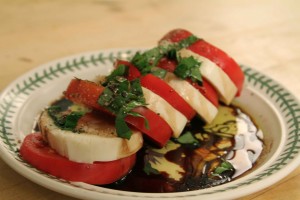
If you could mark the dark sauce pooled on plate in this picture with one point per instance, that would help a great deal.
(222, 151)
(203, 156)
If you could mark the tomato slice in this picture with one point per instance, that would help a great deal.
(206, 88)
(219, 57)
(165, 91)
(87, 93)
(37, 152)
(158, 131)
(84, 92)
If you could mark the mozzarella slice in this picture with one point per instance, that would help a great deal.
(97, 140)
(205, 109)
(173, 117)
(215, 75)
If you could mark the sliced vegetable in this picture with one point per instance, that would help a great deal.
(206, 89)
(176, 120)
(36, 152)
(87, 93)
(211, 52)
(147, 60)
(165, 91)
(214, 74)
(95, 139)
(120, 96)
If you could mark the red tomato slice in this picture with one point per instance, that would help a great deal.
(87, 93)
(159, 130)
(165, 91)
(84, 92)
(219, 57)
(206, 89)
(37, 152)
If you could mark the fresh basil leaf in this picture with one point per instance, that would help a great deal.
(122, 70)
(187, 138)
(72, 120)
(106, 97)
(122, 128)
(161, 73)
(187, 41)
(172, 54)
(224, 166)
(148, 169)
(147, 60)
(188, 68)
(136, 88)
(120, 97)
(64, 121)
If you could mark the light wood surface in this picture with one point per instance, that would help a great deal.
(263, 34)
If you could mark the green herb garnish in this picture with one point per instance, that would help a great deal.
(161, 73)
(224, 166)
(120, 97)
(189, 68)
(145, 61)
(187, 138)
(122, 70)
(65, 121)
(148, 169)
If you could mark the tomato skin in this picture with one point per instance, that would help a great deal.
(206, 88)
(84, 92)
(37, 152)
(165, 91)
(87, 93)
(176, 35)
(216, 55)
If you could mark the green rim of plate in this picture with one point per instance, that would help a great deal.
(20, 90)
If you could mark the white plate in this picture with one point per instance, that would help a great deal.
(275, 110)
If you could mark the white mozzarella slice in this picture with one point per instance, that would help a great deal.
(205, 109)
(215, 75)
(97, 140)
(173, 117)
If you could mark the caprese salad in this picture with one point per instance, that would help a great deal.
(95, 132)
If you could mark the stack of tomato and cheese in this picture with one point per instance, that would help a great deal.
(153, 96)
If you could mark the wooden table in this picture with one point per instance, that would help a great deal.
(263, 34)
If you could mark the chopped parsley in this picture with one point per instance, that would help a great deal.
(120, 96)
(65, 121)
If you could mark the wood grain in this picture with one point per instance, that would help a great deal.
(264, 34)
